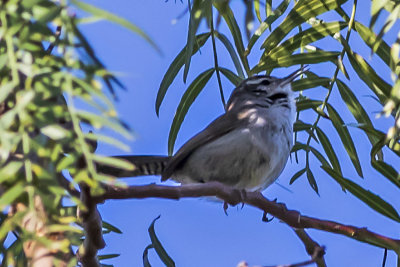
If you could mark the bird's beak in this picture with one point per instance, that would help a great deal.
(293, 75)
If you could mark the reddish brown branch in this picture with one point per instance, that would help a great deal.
(313, 249)
(233, 196)
(92, 225)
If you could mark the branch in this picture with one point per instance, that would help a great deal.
(92, 226)
(313, 249)
(233, 196)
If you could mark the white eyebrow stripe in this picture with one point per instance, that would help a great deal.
(257, 81)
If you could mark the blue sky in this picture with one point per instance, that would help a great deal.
(196, 232)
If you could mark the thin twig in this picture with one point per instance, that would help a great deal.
(52, 45)
(256, 199)
(311, 246)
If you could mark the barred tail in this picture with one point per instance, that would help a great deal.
(143, 165)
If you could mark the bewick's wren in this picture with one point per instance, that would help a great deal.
(247, 147)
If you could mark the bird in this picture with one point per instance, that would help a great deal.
(246, 148)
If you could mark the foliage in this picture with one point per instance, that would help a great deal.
(303, 20)
(52, 84)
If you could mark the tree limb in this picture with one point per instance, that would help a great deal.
(233, 196)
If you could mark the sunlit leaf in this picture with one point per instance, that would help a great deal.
(297, 59)
(301, 12)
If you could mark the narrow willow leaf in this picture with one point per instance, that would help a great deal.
(146, 262)
(316, 32)
(257, 9)
(111, 227)
(107, 139)
(175, 66)
(297, 59)
(230, 20)
(301, 126)
(186, 101)
(165, 258)
(380, 88)
(301, 12)
(99, 121)
(387, 170)
(311, 180)
(11, 194)
(232, 77)
(196, 14)
(307, 83)
(267, 24)
(372, 200)
(355, 108)
(297, 175)
(232, 53)
(319, 156)
(327, 146)
(54, 131)
(345, 136)
(95, 11)
(379, 46)
(108, 256)
(307, 104)
(113, 162)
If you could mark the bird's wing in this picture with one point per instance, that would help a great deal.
(219, 127)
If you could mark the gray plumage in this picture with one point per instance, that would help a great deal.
(247, 147)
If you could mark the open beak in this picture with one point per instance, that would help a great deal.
(293, 75)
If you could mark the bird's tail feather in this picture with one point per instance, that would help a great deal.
(143, 165)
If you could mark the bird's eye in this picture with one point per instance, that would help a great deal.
(265, 82)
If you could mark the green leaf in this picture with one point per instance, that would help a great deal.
(379, 46)
(304, 104)
(108, 256)
(267, 24)
(230, 20)
(95, 11)
(373, 201)
(319, 156)
(380, 88)
(111, 227)
(311, 180)
(355, 108)
(301, 12)
(232, 53)
(54, 131)
(232, 77)
(113, 162)
(297, 175)
(257, 9)
(186, 101)
(165, 258)
(309, 82)
(345, 136)
(146, 262)
(11, 194)
(316, 32)
(327, 146)
(175, 66)
(290, 60)
(196, 14)
(387, 170)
